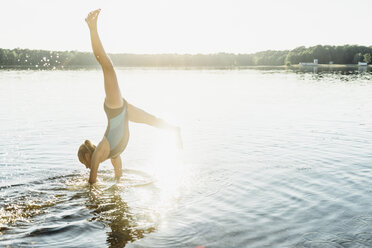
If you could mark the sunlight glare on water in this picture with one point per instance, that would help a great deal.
(169, 172)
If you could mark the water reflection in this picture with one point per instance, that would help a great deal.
(63, 209)
(110, 209)
(345, 70)
(312, 68)
(362, 68)
(339, 75)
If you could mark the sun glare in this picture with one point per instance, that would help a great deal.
(169, 173)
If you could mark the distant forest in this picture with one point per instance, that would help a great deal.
(347, 54)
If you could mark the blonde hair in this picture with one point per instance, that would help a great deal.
(87, 146)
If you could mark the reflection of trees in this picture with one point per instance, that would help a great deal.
(112, 211)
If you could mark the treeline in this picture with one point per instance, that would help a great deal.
(348, 54)
(44, 59)
(57, 59)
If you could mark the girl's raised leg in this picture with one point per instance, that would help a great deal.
(140, 116)
(113, 95)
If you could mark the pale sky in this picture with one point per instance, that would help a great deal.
(185, 26)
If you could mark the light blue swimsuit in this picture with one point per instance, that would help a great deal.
(117, 132)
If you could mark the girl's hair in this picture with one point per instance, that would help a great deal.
(87, 146)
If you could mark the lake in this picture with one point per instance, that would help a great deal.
(271, 158)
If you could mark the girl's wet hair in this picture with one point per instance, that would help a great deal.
(87, 146)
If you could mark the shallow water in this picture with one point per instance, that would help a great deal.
(271, 158)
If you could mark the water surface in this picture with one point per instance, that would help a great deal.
(271, 158)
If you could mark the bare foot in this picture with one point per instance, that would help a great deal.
(92, 18)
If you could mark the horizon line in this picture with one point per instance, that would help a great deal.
(175, 53)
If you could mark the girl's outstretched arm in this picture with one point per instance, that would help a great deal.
(100, 154)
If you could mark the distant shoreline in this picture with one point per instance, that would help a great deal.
(263, 67)
(330, 56)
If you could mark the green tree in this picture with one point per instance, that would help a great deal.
(367, 58)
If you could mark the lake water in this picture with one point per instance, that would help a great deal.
(271, 158)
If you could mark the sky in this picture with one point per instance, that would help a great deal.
(185, 26)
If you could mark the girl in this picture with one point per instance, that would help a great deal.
(118, 112)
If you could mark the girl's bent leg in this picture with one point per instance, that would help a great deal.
(140, 116)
